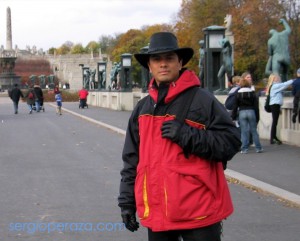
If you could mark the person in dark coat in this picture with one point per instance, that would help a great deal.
(15, 94)
(296, 94)
(39, 97)
(173, 165)
(30, 98)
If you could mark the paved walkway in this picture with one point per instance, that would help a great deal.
(276, 171)
(80, 182)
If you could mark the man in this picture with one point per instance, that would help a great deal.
(15, 94)
(173, 172)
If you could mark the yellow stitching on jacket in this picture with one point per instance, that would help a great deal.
(145, 198)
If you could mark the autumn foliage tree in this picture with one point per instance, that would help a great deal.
(193, 17)
(252, 21)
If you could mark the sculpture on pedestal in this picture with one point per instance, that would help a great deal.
(278, 50)
(201, 61)
(86, 79)
(227, 64)
(115, 76)
(92, 79)
(228, 22)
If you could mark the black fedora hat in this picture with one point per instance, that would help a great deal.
(163, 42)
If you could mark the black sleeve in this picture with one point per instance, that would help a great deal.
(219, 140)
(234, 114)
(256, 108)
(130, 156)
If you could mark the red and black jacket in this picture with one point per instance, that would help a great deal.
(168, 189)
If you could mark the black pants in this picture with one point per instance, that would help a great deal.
(296, 103)
(209, 233)
(275, 109)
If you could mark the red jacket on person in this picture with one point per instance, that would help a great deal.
(83, 93)
(170, 190)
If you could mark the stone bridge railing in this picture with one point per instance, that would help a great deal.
(288, 131)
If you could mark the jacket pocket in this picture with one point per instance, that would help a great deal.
(141, 194)
(187, 197)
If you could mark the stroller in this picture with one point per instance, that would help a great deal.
(82, 104)
(42, 108)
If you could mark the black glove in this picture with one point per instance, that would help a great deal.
(171, 129)
(128, 216)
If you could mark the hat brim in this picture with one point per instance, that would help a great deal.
(184, 53)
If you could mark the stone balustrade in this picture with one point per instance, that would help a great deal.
(288, 131)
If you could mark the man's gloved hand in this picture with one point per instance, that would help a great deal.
(129, 219)
(171, 129)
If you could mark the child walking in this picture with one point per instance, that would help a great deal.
(58, 99)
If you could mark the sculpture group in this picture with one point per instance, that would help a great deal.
(89, 79)
(278, 51)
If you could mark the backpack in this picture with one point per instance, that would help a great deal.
(30, 95)
(230, 100)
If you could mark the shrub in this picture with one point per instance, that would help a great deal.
(67, 95)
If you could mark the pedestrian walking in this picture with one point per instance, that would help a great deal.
(15, 94)
(30, 98)
(58, 99)
(178, 141)
(39, 97)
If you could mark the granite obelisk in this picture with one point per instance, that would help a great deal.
(8, 30)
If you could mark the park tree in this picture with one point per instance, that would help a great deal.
(133, 41)
(292, 9)
(252, 20)
(52, 50)
(78, 49)
(195, 15)
(92, 46)
(108, 43)
(149, 30)
(130, 42)
(65, 48)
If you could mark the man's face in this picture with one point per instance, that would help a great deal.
(165, 67)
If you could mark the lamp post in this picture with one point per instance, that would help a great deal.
(101, 75)
(212, 52)
(145, 72)
(126, 83)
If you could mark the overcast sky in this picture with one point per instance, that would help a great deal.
(50, 23)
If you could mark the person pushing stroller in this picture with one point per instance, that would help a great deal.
(39, 98)
(83, 93)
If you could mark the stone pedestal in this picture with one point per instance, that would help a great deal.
(7, 76)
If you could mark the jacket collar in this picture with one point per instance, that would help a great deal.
(186, 80)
